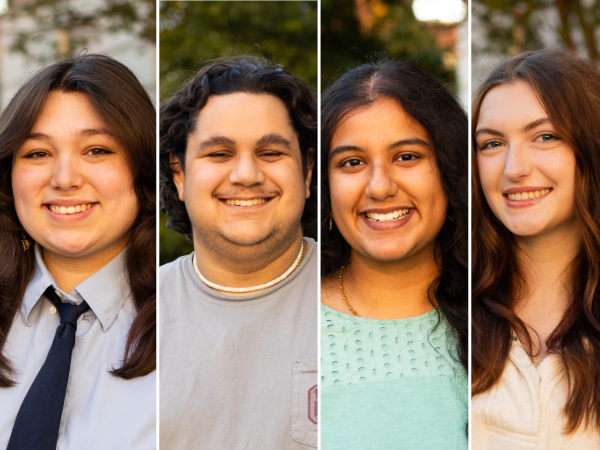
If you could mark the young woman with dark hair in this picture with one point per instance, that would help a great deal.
(536, 254)
(77, 214)
(394, 261)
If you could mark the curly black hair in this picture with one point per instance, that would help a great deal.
(249, 74)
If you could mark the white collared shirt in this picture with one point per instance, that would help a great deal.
(101, 411)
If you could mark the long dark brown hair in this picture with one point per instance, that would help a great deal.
(568, 88)
(120, 100)
(425, 100)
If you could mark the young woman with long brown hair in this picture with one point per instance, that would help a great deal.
(536, 254)
(77, 274)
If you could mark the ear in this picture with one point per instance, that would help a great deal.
(178, 176)
(311, 162)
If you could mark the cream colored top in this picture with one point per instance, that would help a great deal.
(524, 409)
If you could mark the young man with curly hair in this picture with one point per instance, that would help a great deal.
(238, 332)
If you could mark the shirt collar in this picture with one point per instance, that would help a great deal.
(105, 291)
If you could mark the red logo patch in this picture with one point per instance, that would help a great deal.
(313, 404)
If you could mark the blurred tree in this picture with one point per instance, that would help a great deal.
(514, 26)
(191, 32)
(358, 31)
(75, 23)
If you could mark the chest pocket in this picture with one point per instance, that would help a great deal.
(305, 403)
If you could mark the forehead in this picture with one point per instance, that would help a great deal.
(510, 105)
(65, 112)
(243, 117)
(382, 122)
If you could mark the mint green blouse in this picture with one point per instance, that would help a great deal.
(391, 384)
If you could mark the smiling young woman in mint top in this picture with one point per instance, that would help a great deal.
(394, 275)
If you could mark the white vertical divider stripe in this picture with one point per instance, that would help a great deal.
(470, 216)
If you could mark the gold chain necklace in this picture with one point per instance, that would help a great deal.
(352, 310)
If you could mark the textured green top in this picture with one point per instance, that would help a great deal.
(391, 384)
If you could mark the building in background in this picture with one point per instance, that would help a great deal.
(34, 32)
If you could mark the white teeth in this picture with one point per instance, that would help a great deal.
(69, 209)
(254, 201)
(395, 215)
(528, 195)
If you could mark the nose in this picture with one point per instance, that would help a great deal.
(381, 185)
(66, 173)
(518, 162)
(246, 171)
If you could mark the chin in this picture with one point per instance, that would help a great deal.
(72, 246)
(388, 254)
(246, 239)
(525, 229)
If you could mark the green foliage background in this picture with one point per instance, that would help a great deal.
(395, 33)
(192, 32)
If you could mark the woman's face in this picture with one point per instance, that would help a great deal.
(527, 171)
(386, 193)
(72, 185)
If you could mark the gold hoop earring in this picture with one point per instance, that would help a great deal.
(330, 220)
(25, 242)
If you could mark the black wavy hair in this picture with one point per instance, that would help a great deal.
(430, 104)
(250, 74)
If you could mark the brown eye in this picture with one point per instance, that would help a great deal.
(407, 157)
(352, 163)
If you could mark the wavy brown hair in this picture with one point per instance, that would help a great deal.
(431, 105)
(120, 100)
(245, 73)
(568, 88)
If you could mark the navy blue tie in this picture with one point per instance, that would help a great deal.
(38, 420)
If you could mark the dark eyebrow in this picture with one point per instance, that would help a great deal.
(85, 133)
(529, 126)
(274, 139)
(343, 149)
(411, 141)
(96, 132)
(536, 123)
(216, 141)
(488, 131)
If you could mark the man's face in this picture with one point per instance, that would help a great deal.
(243, 184)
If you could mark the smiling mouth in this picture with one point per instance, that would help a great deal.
(246, 203)
(387, 217)
(65, 210)
(522, 196)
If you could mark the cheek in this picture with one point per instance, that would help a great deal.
(203, 180)
(27, 186)
(490, 173)
(345, 192)
(114, 185)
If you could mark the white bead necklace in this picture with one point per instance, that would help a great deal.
(279, 279)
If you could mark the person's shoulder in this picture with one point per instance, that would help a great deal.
(173, 270)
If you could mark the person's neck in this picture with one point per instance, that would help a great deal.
(390, 289)
(545, 261)
(70, 271)
(253, 267)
